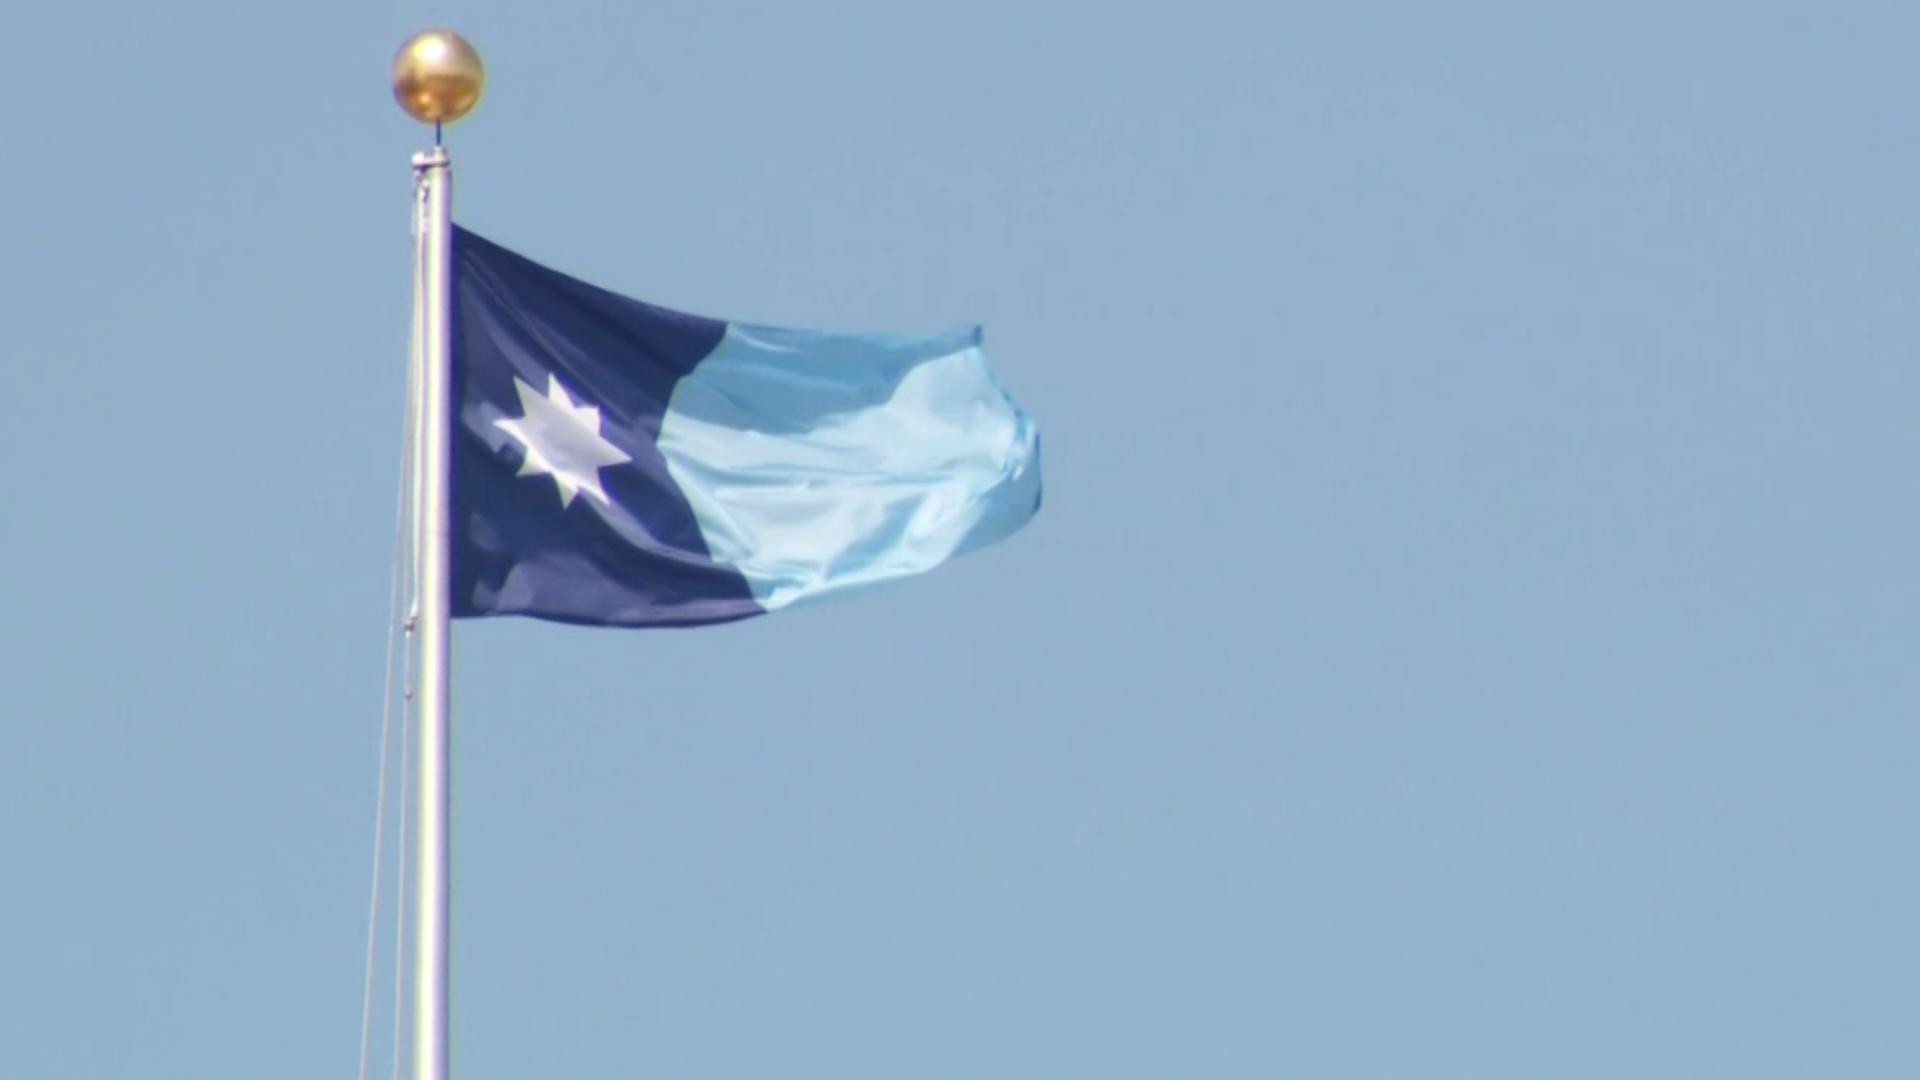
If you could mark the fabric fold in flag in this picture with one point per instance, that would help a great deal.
(620, 464)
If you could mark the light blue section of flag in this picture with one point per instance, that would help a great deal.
(820, 462)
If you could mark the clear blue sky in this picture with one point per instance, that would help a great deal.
(1471, 632)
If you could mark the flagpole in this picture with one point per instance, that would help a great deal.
(433, 842)
(437, 77)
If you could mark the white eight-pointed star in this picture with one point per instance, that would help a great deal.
(562, 440)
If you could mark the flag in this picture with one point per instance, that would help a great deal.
(619, 464)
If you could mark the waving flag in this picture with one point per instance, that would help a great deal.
(616, 463)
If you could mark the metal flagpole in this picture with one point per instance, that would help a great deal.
(432, 847)
(437, 77)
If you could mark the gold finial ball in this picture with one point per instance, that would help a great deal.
(437, 77)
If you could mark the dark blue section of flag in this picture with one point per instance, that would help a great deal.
(517, 548)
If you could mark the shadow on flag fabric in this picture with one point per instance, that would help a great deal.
(619, 464)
